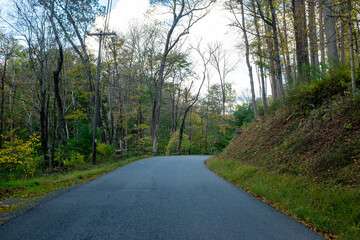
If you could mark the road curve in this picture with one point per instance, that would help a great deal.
(156, 198)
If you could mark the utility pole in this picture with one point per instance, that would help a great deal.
(95, 119)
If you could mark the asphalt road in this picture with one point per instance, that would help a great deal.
(156, 198)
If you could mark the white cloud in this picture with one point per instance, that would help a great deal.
(127, 11)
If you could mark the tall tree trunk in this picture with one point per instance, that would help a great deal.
(342, 40)
(286, 47)
(139, 121)
(121, 122)
(56, 75)
(314, 56)
(270, 45)
(223, 110)
(261, 63)
(110, 96)
(120, 129)
(190, 125)
(278, 72)
(173, 119)
(352, 60)
(159, 84)
(253, 97)
(11, 105)
(3, 75)
(356, 41)
(44, 135)
(181, 130)
(52, 145)
(302, 56)
(330, 32)
(322, 40)
(156, 119)
(43, 114)
(206, 129)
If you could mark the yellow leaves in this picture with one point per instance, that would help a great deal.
(143, 126)
(78, 114)
(75, 159)
(19, 153)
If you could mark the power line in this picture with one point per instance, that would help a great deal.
(107, 16)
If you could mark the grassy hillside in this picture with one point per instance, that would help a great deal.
(304, 158)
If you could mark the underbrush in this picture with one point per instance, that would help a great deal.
(308, 96)
(323, 144)
(22, 159)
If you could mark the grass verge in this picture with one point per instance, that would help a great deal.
(17, 194)
(331, 210)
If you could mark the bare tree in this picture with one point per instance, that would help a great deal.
(56, 75)
(189, 103)
(31, 22)
(185, 13)
(223, 66)
(277, 85)
(74, 19)
(7, 48)
(242, 25)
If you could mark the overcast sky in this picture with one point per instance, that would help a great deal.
(214, 27)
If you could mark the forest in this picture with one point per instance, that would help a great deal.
(62, 103)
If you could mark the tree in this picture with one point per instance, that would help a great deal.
(223, 66)
(285, 45)
(32, 23)
(56, 75)
(322, 40)
(277, 86)
(7, 48)
(242, 26)
(189, 103)
(302, 49)
(314, 55)
(330, 32)
(75, 18)
(351, 43)
(185, 13)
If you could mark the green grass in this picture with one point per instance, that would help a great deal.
(327, 209)
(21, 191)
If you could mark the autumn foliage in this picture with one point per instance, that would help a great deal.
(20, 157)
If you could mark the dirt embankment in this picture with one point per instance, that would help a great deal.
(323, 144)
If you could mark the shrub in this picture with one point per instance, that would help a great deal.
(104, 150)
(274, 105)
(19, 158)
(173, 143)
(74, 159)
(83, 141)
(305, 98)
(243, 114)
(145, 143)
